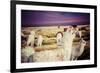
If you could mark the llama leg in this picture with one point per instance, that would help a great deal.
(32, 43)
(38, 43)
(72, 58)
(75, 58)
(69, 54)
(28, 42)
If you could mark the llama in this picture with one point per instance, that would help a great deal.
(27, 53)
(40, 40)
(59, 38)
(79, 50)
(31, 38)
(67, 43)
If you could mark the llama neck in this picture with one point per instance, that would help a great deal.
(68, 40)
(81, 49)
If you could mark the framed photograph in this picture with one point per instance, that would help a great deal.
(52, 36)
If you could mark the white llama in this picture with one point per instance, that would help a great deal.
(59, 38)
(27, 54)
(40, 40)
(67, 43)
(31, 38)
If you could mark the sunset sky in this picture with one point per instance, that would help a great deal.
(53, 18)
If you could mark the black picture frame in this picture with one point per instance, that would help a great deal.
(13, 35)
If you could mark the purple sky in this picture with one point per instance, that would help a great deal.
(52, 18)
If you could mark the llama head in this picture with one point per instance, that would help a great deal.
(32, 32)
(82, 42)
